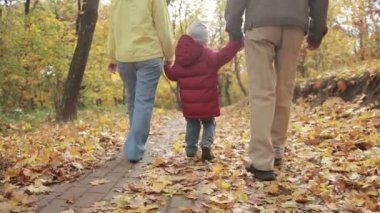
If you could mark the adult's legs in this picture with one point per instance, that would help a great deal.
(286, 65)
(260, 47)
(147, 76)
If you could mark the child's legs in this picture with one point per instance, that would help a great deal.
(193, 128)
(208, 131)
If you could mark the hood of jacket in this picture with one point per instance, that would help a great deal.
(188, 51)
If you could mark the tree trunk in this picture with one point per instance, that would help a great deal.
(77, 22)
(227, 90)
(68, 106)
(175, 92)
(237, 72)
(301, 68)
(27, 7)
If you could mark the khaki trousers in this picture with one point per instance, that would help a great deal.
(272, 57)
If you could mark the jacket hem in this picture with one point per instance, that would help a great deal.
(277, 22)
(138, 59)
(202, 116)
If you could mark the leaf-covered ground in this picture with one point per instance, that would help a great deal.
(332, 164)
(34, 156)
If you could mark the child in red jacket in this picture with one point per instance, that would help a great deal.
(196, 71)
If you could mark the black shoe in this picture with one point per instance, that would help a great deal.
(134, 161)
(261, 175)
(277, 161)
(206, 153)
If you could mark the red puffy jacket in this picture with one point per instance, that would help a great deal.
(196, 71)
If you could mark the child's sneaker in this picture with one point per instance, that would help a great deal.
(191, 151)
(190, 155)
(206, 153)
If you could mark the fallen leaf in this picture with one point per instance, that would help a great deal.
(68, 211)
(289, 205)
(99, 182)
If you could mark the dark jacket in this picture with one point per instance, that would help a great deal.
(310, 15)
(196, 71)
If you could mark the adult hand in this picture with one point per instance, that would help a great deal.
(112, 67)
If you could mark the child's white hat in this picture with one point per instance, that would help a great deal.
(198, 31)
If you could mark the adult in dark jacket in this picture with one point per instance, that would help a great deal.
(274, 31)
(196, 71)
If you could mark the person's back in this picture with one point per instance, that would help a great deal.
(274, 31)
(140, 37)
(139, 31)
(309, 15)
(196, 71)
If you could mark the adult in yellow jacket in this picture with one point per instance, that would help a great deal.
(140, 38)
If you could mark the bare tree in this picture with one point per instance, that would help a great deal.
(67, 109)
(238, 77)
(27, 7)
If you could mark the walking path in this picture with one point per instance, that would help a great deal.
(80, 194)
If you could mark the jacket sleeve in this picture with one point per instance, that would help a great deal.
(234, 18)
(164, 28)
(111, 49)
(318, 17)
(170, 72)
(227, 53)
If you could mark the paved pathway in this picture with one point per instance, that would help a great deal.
(81, 194)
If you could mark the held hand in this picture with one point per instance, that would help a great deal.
(167, 63)
(112, 67)
(312, 45)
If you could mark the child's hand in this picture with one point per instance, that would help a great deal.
(167, 63)
(312, 46)
(112, 67)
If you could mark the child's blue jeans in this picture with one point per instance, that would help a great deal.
(193, 129)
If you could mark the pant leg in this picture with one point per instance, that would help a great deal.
(147, 75)
(127, 72)
(209, 126)
(260, 46)
(286, 65)
(193, 127)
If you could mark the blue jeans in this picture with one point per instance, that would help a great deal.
(193, 129)
(140, 79)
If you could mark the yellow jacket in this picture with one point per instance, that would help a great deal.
(140, 30)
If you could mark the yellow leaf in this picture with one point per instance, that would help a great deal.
(289, 205)
(158, 186)
(273, 189)
(178, 147)
(241, 196)
(217, 169)
(225, 185)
